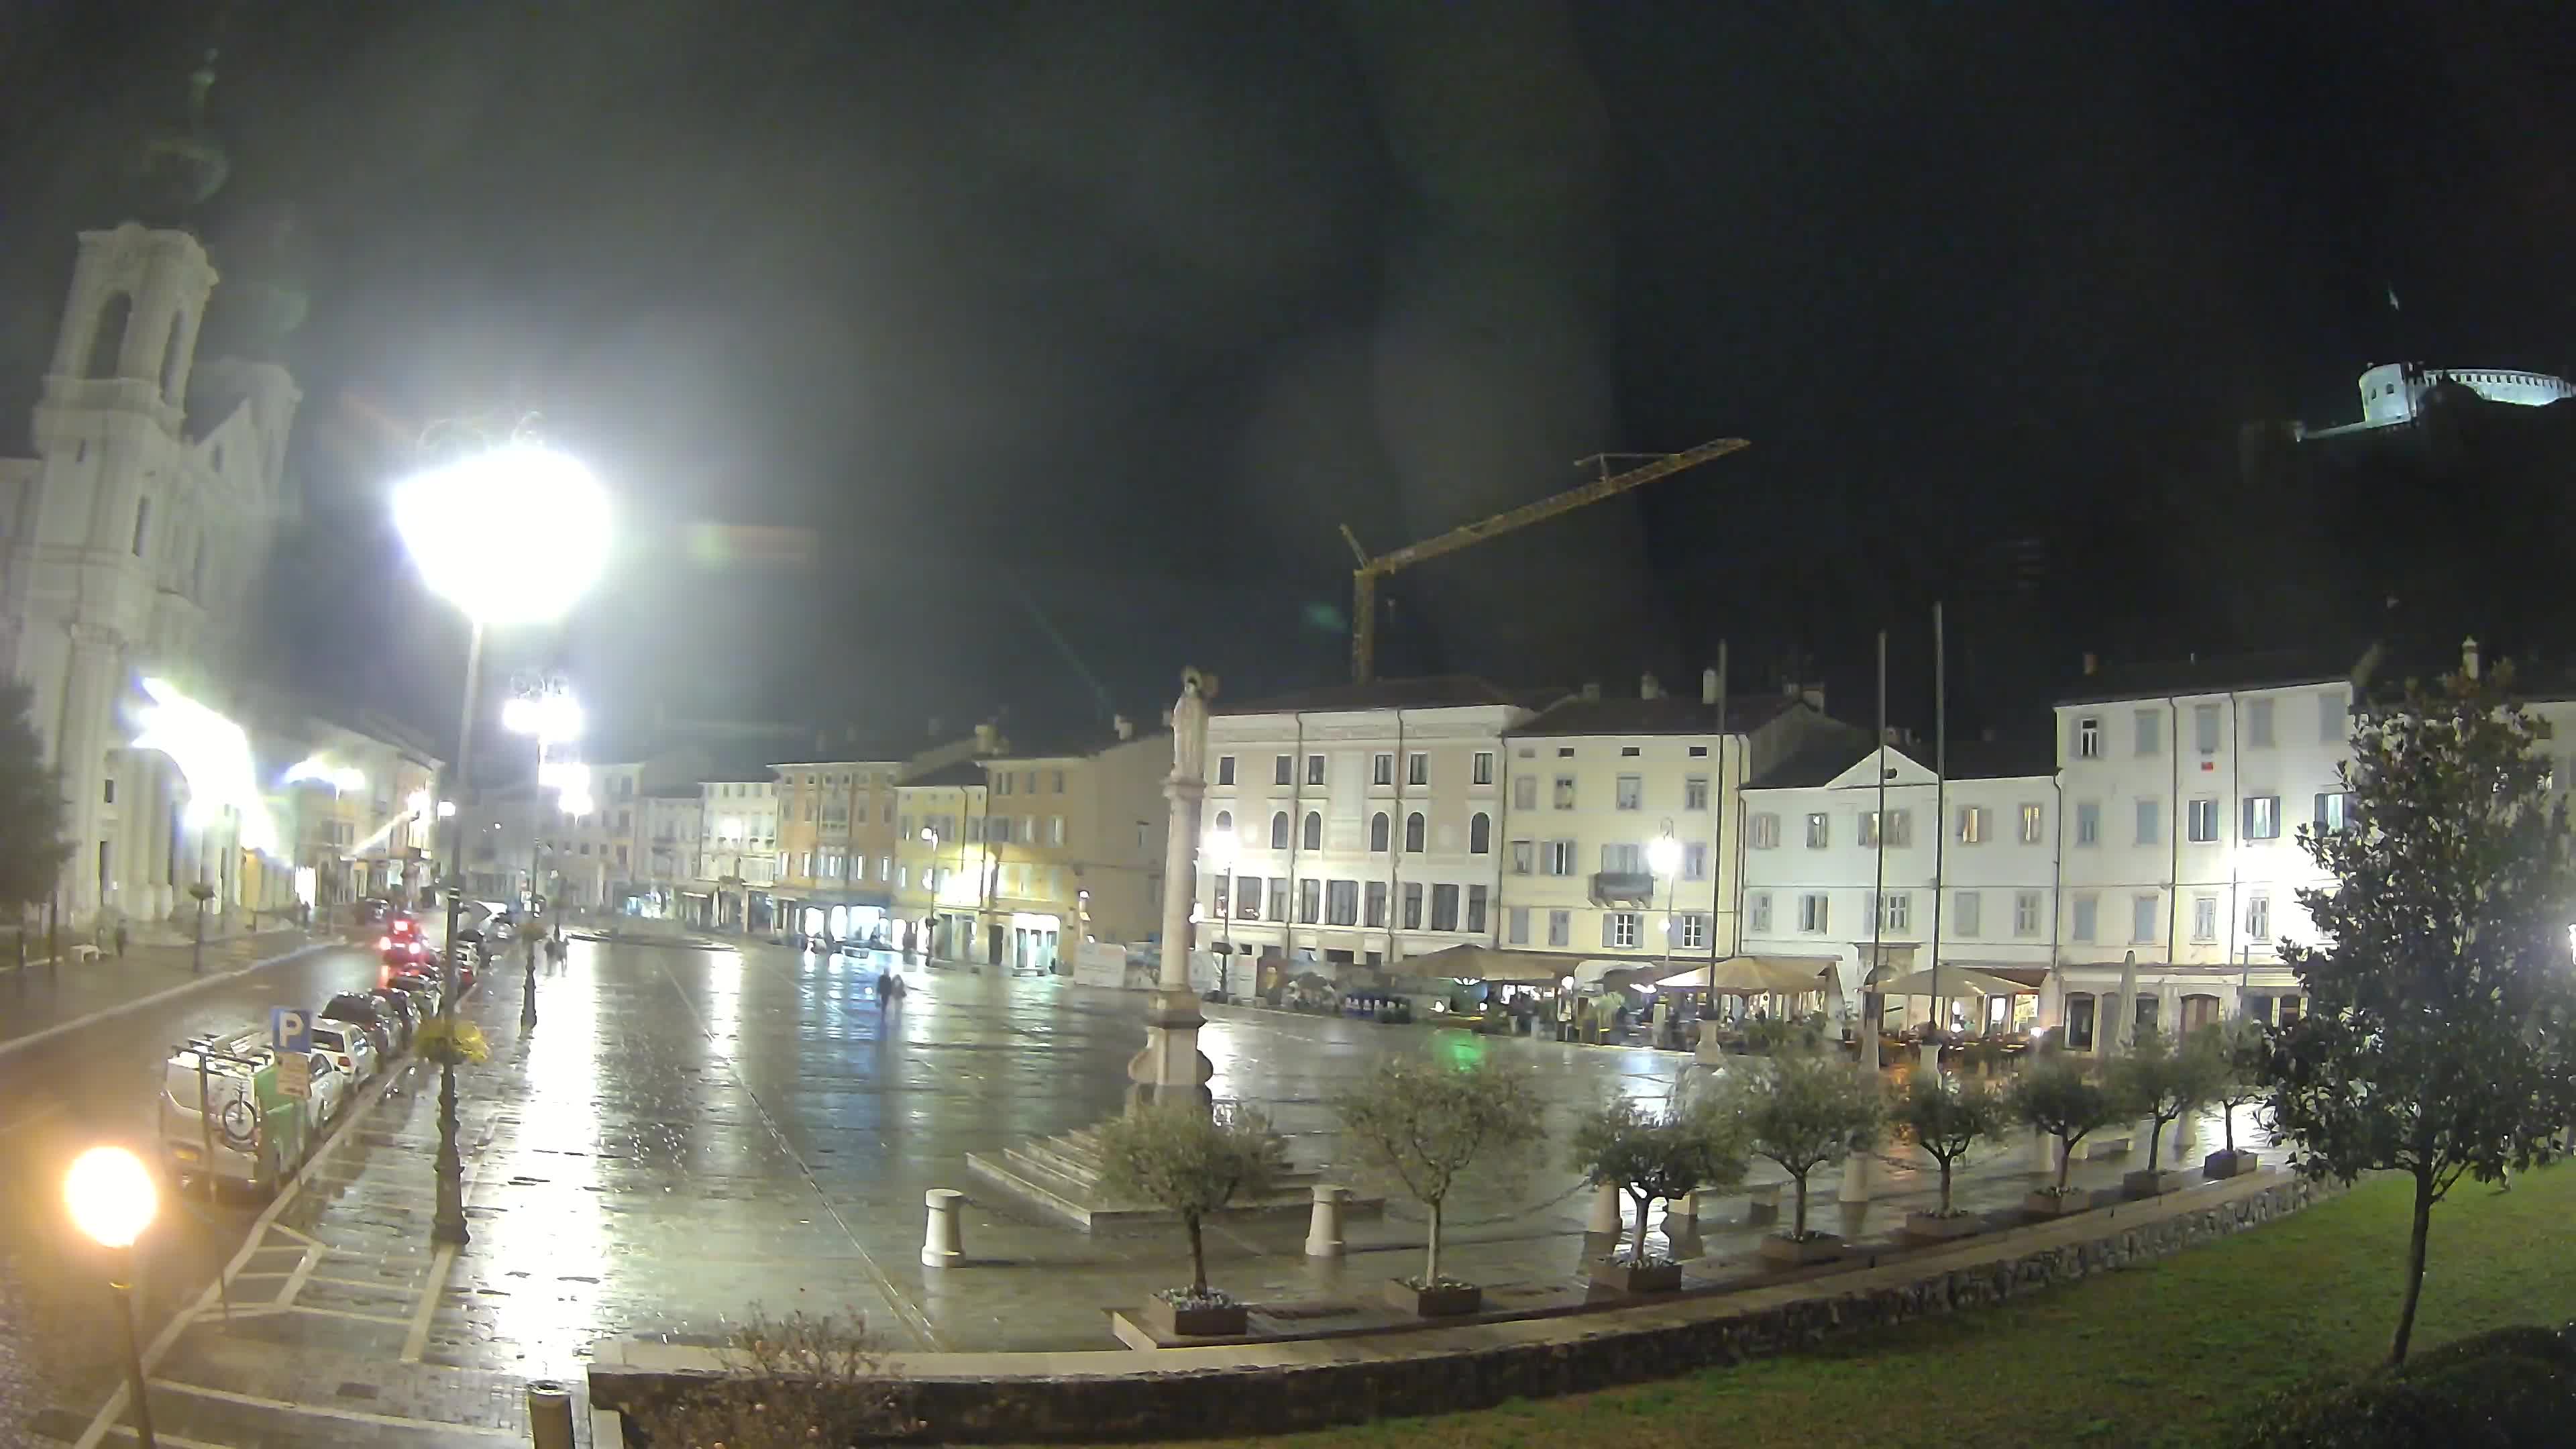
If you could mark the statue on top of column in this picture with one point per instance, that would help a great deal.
(1189, 725)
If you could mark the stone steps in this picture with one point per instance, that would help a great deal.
(1061, 1175)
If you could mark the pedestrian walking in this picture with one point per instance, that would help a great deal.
(120, 940)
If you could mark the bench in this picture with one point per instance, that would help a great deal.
(2105, 1144)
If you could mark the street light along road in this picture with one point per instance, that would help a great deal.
(512, 535)
(112, 1201)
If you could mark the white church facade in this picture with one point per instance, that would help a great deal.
(136, 542)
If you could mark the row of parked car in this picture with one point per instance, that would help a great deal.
(226, 1114)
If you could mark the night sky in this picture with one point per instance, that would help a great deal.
(1073, 330)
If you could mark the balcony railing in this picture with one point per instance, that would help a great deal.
(1623, 887)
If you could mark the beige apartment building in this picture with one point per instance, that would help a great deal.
(1623, 821)
(1074, 833)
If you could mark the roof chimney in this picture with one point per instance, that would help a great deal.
(2092, 663)
(1125, 727)
(987, 739)
(1649, 687)
(1708, 686)
(1592, 692)
(2469, 656)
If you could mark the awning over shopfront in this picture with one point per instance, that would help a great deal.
(1956, 980)
(1489, 963)
(1757, 976)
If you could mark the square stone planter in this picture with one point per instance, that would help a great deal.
(1215, 1320)
(1933, 1228)
(1786, 1252)
(1442, 1300)
(2056, 1205)
(2225, 1164)
(2143, 1183)
(1626, 1275)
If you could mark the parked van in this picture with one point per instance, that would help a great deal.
(257, 1135)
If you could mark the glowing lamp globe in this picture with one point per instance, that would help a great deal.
(1663, 855)
(1220, 848)
(510, 536)
(550, 717)
(110, 1195)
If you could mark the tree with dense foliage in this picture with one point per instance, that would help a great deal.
(1805, 1110)
(32, 846)
(1654, 1154)
(2163, 1081)
(1190, 1162)
(1947, 1118)
(1428, 1124)
(2440, 1036)
(2057, 1095)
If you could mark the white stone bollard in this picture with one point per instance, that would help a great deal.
(1681, 1214)
(1324, 1224)
(941, 1244)
(1856, 1179)
(1605, 1212)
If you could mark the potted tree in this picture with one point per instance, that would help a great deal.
(1806, 1110)
(1427, 1125)
(2058, 1096)
(1947, 1120)
(1190, 1162)
(2238, 1051)
(1650, 1154)
(2164, 1083)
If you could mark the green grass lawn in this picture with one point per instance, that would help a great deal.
(2170, 1354)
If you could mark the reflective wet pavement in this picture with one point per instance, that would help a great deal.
(687, 1133)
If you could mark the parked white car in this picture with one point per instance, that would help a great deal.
(329, 1096)
(349, 1048)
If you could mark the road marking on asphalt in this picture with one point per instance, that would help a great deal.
(904, 1308)
(303, 1271)
(164, 1436)
(199, 983)
(104, 1421)
(418, 1338)
(330, 1411)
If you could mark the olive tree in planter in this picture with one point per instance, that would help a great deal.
(1190, 1162)
(1806, 1110)
(2164, 1083)
(1426, 1125)
(1947, 1119)
(2237, 1051)
(2056, 1095)
(1652, 1154)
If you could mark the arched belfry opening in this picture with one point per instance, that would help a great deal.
(107, 340)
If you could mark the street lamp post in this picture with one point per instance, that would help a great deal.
(1664, 858)
(112, 1200)
(509, 536)
(1221, 848)
(542, 707)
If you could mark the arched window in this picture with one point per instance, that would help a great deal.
(1413, 832)
(1314, 830)
(170, 366)
(1225, 821)
(1378, 831)
(1279, 831)
(1480, 834)
(107, 344)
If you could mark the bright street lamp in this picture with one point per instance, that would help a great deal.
(1221, 847)
(112, 1200)
(513, 535)
(542, 706)
(1664, 855)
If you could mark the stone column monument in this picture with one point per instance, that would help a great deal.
(1171, 1065)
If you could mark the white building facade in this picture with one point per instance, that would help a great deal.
(1962, 871)
(1593, 784)
(1367, 821)
(136, 541)
(737, 854)
(2183, 799)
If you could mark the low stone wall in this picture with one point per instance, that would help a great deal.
(1276, 1387)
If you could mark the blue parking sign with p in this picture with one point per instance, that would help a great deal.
(290, 1030)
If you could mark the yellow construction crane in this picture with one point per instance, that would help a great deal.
(1364, 578)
